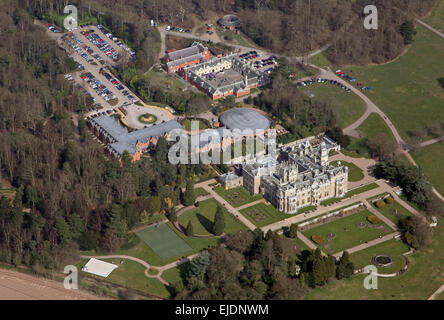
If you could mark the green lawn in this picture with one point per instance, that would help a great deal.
(347, 232)
(187, 124)
(238, 196)
(430, 160)
(424, 277)
(373, 125)
(407, 89)
(393, 248)
(163, 241)
(354, 173)
(320, 60)
(130, 274)
(436, 19)
(348, 106)
(202, 218)
(200, 192)
(261, 214)
(393, 211)
(351, 193)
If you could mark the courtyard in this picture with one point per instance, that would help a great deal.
(261, 214)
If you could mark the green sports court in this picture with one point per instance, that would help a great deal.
(163, 241)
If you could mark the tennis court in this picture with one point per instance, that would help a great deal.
(163, 241)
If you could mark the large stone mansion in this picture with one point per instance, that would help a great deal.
(301, 177)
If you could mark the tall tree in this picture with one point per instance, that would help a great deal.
(219, 222)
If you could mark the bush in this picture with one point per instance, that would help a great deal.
(380, 204)
(374, 220)
(318, 239)
(389, 200)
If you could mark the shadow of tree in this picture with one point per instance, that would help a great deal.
(205, 222)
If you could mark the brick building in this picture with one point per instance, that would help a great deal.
(179, 59)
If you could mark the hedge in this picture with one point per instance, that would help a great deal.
(318, 239)
(374, 220)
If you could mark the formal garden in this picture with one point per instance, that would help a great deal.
(237, 197)
(390, 208)
(262, 214)
(347, 232)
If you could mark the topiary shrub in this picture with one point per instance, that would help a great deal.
(380, 204)
(374, 220)
(320, 240)
(389, 200)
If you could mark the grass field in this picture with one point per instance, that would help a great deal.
(200, 192)
(347, 106)
(354, 173)
(436, 19)
(393, 248)
(351, 193)
(202, 218)
(347, 232)
(373, 125)
(430, 160)
(424, 277)
(407, 89)
(163, 241)
(131, 274)
(238, 196)
(261, 214)
(320, 60)
(393, 211)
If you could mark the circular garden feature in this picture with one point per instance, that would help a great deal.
(382, 261)
(147, 118)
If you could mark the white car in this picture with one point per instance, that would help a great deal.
(168, 28)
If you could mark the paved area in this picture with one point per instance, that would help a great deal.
(134, 111)
(20, 286)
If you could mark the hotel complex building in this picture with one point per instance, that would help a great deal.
(304, 178)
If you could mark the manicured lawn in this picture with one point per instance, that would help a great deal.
(187, 124)
(175, 274)
(430, 160)
(373, 125)
(393, 248)
(147, 118)
(202, 218)
(200, 192)
(348, 106)
(261, 214)
(351, 193)
(347, 232)
(393, 211)
(436, 19)
(354, 173)
(163, 241)
(130, 274)
(238, 196)
(407, 89)
(424, 277)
